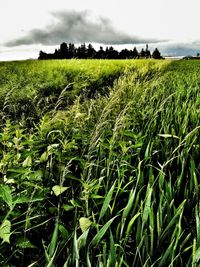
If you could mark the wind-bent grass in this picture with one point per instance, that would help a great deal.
(110, 181)
(34, 87)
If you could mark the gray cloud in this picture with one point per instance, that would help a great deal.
(180, 48)
(77, 27)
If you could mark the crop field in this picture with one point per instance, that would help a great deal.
(100, 163)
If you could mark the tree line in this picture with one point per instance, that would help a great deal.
(68, 51)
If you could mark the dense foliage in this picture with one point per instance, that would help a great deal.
(68, 51)
(31, 89)
(108, 178)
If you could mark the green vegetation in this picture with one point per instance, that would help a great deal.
(99, 163)
(31, 89)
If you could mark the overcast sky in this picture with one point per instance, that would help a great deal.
(27, 26)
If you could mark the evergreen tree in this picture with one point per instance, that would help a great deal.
(81, 51)
(111, 53)
(100, 53)
(67, 51)
(63, 51)
(56, 54)
(91, 52)
(156, 54)
(142, 53)
(135, 53)
(71, 51)
(125, 53)
(42, 55)
(147, 52)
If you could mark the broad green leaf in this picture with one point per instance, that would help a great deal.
(44, 156)
(107, 201)
(75, 252)
(173, 220)
(58, 189)
(84, 224)
(17, 170)
(132, 195)
(54, 239)
(130, 224)
(64, 232)
(36, 176)
(27, 162)
(5, 194)
(112, 254)
(129, 204)
(196, 256)
(5, 231)
(167, 253)
(104, 262)
(147, 205)
(82, 239)
(97, 238)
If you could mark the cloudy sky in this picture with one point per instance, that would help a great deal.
(28, 26)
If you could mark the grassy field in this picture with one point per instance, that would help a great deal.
(33, 88)
(99, 163)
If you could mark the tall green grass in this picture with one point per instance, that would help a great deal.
(29, 89)
(112, 180)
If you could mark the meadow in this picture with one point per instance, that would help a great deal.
(99, 163)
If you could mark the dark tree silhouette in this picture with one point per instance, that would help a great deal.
(81, 51)
(68, 51)
(142, 53)
(111, 53)
(56, 53)
(91, 52)
(125, 53)
(42, 55)
(156, 54)
(63, 51)
(101, 54)
(71, 51)
(147, 52)
(135, 53)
